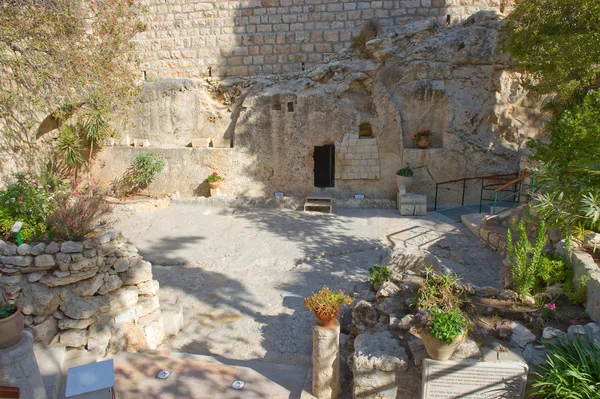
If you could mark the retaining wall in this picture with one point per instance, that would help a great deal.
(97, 294)
(197, 38)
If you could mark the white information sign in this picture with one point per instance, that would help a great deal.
(473, 380)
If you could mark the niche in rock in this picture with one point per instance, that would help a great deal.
(423, 109)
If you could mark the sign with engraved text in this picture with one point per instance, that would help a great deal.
(469, 379)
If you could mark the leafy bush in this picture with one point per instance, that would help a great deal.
(568, 180)
(443, 324)
(406, 172)
(439, 291)
(379, 274)
(145, 166)
(25, 201)
(572, 370)
(79, 213)
(326, 302)
(528, 265)
(576, 292)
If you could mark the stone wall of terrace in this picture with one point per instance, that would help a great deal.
(97, 294)
(196, 38)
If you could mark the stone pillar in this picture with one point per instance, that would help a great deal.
(326, 362)
(18, 368)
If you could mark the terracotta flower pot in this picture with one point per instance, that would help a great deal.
(327, 320)
(424, 142)
(215, 184)
(439, 350)
(404, 180)
(10, 329)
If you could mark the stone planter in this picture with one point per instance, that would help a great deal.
(424, 142)
(11, 329)
(326, 320)
(438, 350)
(405, 181)
(215, 184)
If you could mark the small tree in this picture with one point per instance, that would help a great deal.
(558, 42)
(63, 57)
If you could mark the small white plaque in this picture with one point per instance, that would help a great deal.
(359, 196)
(468, 379)
(128, 315)
(279, 194)
(16, 227)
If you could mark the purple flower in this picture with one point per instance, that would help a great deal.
(551, 306)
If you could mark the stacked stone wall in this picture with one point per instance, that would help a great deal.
(198, 38)
(97, 294)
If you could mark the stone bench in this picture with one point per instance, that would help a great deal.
(410, 204)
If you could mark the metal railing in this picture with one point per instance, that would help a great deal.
(498, 178)
(519, 188)
(511, 183)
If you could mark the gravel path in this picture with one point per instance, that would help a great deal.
(241, 275)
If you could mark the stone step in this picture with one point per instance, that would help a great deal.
(473, 221)
(51, 361)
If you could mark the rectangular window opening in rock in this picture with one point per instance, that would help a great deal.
(276, 102)
(324, 157)
(290, 106)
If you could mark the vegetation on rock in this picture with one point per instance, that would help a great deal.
(379, 274)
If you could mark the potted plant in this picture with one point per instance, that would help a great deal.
(11, 323)
(441, 330)
(422, 138)
(404, 177)
(326, 305)
(214, 180)
(379, 275)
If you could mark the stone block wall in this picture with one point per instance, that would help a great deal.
(357, 158)
(97, 294)
(196, 38)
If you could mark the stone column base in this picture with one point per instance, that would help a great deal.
(326, 362)
(19, 368)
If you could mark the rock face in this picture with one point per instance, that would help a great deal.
(377, 358)
(451, 81)
(77, 296)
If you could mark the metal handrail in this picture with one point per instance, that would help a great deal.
(464, 181)
(510, 183)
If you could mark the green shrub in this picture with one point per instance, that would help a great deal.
(379, 274)
(25, 201)
(439, 291)
(145, 166)
(572, 370)
(528, 265)
(576, 292)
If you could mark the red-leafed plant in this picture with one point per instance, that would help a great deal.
(79, 212)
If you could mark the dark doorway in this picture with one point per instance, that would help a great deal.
(324, 166)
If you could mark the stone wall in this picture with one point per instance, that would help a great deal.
(421, 76)
(97, 294)
(195, 38)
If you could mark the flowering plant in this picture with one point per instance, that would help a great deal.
(79, 213)
(214, 176)
(420, 134)
(7, 309)
(443, 324)
(548, 312)
(24, 200)
(326, 302)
